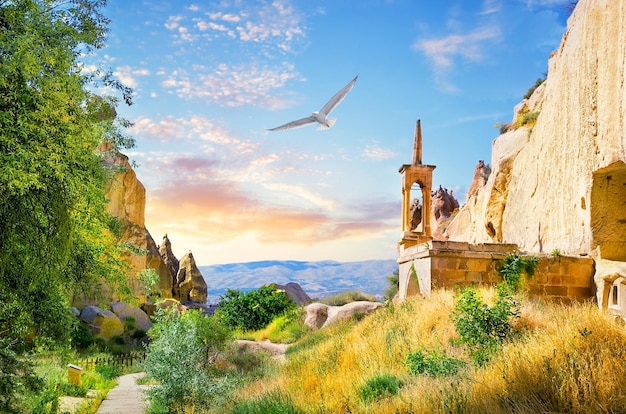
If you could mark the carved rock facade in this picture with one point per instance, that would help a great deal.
(561, 184)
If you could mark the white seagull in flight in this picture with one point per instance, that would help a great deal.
(320, 117)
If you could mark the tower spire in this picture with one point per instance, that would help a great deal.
(417, 145)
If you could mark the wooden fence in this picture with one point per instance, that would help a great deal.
(125, 360)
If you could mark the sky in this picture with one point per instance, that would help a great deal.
(210, 77)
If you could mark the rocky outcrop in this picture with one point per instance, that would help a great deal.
(169, 260)
(319, 315)
(102, 323)
(443, 204)
(559, 184)
(127, 202)
(295, 292)
(124, 310)
(481, 174)
(190, 285)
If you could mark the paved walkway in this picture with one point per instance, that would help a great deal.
(126, 398)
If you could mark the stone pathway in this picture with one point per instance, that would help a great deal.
(126, 398)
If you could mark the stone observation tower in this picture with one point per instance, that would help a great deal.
(415, 215)
(426, 262)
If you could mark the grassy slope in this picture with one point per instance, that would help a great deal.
(570, 360)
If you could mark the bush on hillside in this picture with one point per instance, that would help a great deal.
(379, 386)
(178, 359)
(394, 284)
(433, 363)
(253, 310)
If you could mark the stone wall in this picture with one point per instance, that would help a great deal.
(456, 265)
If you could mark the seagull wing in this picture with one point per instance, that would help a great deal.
(336, 100)
(295, 124)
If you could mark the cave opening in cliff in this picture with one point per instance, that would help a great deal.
(608, 211)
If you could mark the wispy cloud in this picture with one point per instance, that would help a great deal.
(444, 52)
(374, 151)
(260, 37)
(245, 84)
(128, 76)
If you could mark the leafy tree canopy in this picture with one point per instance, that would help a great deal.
(55, 236)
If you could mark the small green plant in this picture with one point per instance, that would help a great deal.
(556, 252)
(433, 363)
(503, 128)
(538, 82)
(80, 336)
(149, 283)
(380, 386)
(483, 329)
(109, 372)
(394, 285)
(273, 403)
(514, 266)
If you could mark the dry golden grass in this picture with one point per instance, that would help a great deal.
(570, 360)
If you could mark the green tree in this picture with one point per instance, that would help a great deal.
(56, 236)
(255, 309)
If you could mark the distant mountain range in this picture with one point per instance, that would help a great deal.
(318, 279)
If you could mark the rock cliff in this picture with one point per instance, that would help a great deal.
(560, 183)
(127, 202)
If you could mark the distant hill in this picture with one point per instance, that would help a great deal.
(318, 279)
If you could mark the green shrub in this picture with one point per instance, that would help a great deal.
(394, 285)
(80, 336)
(287, 328)
(481, 328)
(433, 363)
(109, 372)
(530, 91)
(72, 390)
(17, 377)
(253, 310)
(514, 266)
(273, 403)
(378, 387)
(178, 359)
(129, 324)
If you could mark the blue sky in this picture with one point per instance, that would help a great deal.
(211, 76)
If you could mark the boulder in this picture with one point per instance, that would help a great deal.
(295, 292)
(316, 315)
(103, 323)
(190, 285)
(123, 310)
(319, 315)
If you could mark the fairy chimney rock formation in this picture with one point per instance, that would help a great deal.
(169, 260)
(481, 174)
(577, 148)
(190, 285)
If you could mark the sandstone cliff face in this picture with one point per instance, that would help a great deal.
(562, 184)
(127, 202)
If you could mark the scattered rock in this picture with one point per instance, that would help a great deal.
(103, 323)
(295, 292)
(319, 315)
(123, 310)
